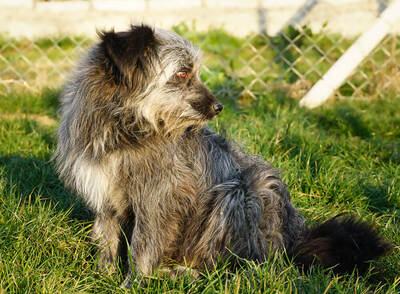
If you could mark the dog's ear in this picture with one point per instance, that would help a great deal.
(128, 52)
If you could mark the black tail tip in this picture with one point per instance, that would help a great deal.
(342, 243)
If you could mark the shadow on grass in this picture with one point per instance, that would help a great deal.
(342, 119)
(28, 178)
(381, 200)
(369, 125)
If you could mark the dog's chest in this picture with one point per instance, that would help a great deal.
(164, 173)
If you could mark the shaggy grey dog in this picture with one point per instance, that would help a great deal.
(134, 145)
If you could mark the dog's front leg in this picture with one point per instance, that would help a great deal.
(106, 231)
(145, 249)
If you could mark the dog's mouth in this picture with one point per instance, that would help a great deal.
(208, 107)
(199, 114)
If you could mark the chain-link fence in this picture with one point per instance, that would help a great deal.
(288, 63)
(292, 62)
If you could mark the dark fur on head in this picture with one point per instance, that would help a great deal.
(129, 55)
(133, 144)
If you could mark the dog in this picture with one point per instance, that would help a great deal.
(134, 144)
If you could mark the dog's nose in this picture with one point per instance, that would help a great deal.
(218, 107)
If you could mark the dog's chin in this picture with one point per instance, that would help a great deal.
(198, 124)
(200, 119)
(192, 124)
(209, 116)
(205, 118)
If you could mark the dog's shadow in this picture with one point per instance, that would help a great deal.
(33, 179)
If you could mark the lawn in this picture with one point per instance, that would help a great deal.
(342, 157)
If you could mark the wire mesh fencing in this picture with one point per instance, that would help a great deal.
(289, 63)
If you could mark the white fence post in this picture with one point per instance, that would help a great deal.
(338, 73)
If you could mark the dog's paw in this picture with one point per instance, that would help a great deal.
(131, 279)
(178, 271)
(108, 268)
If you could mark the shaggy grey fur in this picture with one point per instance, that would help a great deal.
(134, 145)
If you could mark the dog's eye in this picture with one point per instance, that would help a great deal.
(182, 74)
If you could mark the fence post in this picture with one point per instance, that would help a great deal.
(338, 73)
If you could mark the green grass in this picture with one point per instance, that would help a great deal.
(342, 157)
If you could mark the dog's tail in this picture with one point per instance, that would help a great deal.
(342, 243)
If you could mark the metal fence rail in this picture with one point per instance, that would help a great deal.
(288, 63)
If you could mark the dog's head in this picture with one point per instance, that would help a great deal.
(158, 72)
